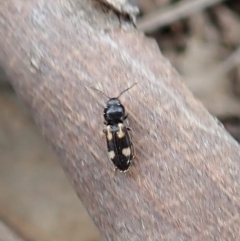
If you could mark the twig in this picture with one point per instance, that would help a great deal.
(163, 17)
(226, 66)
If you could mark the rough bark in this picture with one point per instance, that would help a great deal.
(185, 182)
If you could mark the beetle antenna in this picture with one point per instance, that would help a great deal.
(91, 87)
(126, 89)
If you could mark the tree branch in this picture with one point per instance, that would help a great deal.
(185, 182)
(7, 233)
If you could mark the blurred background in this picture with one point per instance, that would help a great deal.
(201, 39)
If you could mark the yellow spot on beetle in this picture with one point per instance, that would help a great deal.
(120, 133)
(126, 151)
(111, 154)
(109, 133)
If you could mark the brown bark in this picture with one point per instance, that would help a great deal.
(8, 234)
(185, 182)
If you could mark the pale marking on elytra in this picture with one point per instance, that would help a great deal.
(126, 151)
(109, 133)
(111, 154)
(120, 133)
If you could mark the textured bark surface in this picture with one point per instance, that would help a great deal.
(185, 182)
